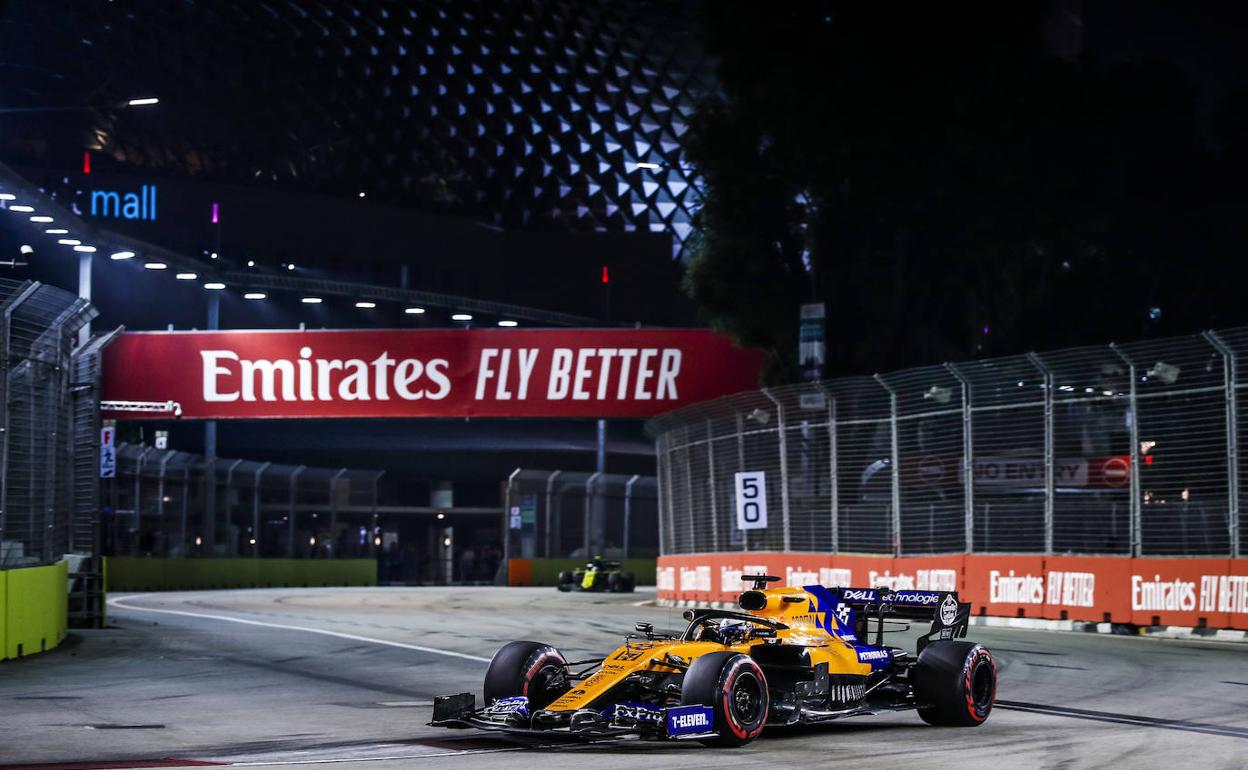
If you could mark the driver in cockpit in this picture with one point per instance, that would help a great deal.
(725, 631)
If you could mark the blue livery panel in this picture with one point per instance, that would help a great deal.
(831, 613)
(879, 658)
(900, 598)
(690, 720)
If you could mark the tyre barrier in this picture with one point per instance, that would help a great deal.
(1196, 592)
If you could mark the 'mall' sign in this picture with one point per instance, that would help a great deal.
(139, 205)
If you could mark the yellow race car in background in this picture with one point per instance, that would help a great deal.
(597, 575)
(791, 655)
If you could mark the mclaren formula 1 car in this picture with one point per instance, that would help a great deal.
(789, 655)
(597, 575)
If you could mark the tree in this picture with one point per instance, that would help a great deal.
(945, 185)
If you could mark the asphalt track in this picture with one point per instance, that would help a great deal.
(344, 679)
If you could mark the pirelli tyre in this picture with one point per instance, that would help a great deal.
(736, 689)
(565, 581)
(955, 684)
(532, 669)
(621, 582)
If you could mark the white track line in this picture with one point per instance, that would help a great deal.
(119, 603)
(409, 757)
(388, 758)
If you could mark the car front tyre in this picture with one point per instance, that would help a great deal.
(734, 686)
(532, 669)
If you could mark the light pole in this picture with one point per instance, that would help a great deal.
(84, 291)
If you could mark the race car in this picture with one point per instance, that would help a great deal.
(597, 575)
(790, 655)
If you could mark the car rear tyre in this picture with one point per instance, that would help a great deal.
(735, 687)
(956, 682)
(628, 582)
(621, 582)
(532, 669)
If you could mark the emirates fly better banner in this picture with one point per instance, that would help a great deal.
(419, 373)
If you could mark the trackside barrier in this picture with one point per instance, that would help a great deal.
(34, 609)
(1210, 593)
(138, 574)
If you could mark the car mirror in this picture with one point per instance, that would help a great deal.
(644, 628)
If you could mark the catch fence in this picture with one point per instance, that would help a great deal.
(172, 503)
(569, 514)
(48, 425)
(1132, 449)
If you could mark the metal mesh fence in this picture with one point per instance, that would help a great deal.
(567, 514)
(1122, 449)
(38, 328)
(158, 505)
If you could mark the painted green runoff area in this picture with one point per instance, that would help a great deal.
(140, 574)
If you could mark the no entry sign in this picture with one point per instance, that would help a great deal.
(425, 373)
(1116, 471)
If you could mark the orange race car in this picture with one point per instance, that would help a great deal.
(792, 655)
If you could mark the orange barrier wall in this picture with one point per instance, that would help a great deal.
(1145, 591)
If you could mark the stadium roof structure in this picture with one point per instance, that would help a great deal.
(551, 114)
(14, 190)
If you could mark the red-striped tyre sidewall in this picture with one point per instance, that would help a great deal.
(979, 657)
(539, 661)
(724, 712)
(944, 680)
(514, 669)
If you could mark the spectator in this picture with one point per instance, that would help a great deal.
(490, 558)
(147, 542)
(393, 562)
(467, 565)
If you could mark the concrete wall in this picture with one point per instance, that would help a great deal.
(138, 574)
(34, 609)
(1208, 593)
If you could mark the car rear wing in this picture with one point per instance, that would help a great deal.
(950, 618)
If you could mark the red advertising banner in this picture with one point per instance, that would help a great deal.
(1009, 586)
(1212, 593)
(1085, 588)
(1172, 591)
(426, 373)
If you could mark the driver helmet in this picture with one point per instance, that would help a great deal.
(727, 632)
